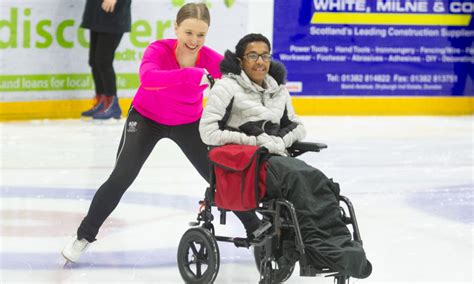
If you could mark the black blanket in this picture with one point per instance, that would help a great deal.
(327, 239)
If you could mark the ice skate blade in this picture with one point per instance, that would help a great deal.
(68, 261)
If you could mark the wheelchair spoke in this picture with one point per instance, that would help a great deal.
(204, 261)
(201, 251)
(193, 248)
(198, 269)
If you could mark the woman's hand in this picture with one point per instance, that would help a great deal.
(207, 79)
(109, 5)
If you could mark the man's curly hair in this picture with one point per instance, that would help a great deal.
(243, 42)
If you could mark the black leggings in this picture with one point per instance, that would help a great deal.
(101, 58)
(139, 137)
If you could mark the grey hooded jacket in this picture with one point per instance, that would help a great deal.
(238, 110)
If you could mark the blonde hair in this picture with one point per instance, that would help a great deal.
(194, 11)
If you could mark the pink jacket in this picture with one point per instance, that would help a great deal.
(169, 94)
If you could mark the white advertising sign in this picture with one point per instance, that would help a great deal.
(44, 52)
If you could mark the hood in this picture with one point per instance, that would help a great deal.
(230, 65)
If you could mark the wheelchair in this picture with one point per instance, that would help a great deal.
(198, 253)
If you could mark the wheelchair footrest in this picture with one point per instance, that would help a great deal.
(238, 242)
(241, 242)
(264, 226)
(310, 271)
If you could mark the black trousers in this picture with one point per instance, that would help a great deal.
(139, 137)
(101, 58)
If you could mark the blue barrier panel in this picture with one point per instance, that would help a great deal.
(376, 48)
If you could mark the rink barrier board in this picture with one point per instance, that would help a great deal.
(64, 109)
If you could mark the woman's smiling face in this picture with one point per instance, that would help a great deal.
(191, 34)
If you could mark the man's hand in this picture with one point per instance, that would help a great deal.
(273, 145)
(109, 5)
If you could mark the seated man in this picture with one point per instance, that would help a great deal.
(253, 107)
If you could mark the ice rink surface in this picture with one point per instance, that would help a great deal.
(410, 179)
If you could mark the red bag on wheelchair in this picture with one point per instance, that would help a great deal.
(240, 176)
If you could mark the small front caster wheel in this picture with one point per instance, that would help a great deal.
(198, 256)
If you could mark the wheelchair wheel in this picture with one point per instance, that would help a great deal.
(279, 274)
(198, 256)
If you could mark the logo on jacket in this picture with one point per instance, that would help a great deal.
(132, 126)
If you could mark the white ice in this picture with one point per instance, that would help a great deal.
(410, 179)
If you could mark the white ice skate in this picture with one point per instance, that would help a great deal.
(74, 249)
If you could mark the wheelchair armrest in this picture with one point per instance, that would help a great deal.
(299, 148)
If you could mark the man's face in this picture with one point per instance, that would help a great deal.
(256, 61)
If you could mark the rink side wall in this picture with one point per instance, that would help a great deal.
(61, 109)
(44, 72)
